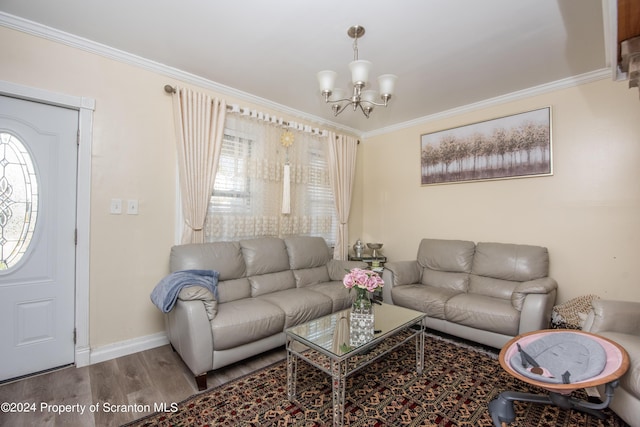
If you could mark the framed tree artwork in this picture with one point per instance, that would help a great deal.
(516, 146)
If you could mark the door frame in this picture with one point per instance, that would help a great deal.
(85, 108)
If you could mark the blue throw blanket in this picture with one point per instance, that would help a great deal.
(165, 294)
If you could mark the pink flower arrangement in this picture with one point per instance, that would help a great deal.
(367, 280)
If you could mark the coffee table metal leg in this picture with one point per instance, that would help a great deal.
(338, 379)
(420, 350)
(292, 371)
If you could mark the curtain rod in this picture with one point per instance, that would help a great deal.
(233, 108)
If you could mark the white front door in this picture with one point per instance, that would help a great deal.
(38, 165)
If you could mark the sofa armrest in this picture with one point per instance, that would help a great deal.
(403, 273)
(199, 293)
(339, 268)
(398, 273)
(614, 316)
(543, 285)
(536, 312)
(189, 332)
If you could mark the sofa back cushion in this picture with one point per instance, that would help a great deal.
(490, 287)
(511, 262)
(307, 252)
(264, 255)
(446, 255)
(311, 276)
(223, 257)
(446, 280)
(235, 289)
(271, 282)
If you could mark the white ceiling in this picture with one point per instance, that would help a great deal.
(447, 53)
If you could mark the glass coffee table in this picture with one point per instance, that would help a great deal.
(334, 346)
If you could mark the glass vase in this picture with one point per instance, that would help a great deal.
(362, 320)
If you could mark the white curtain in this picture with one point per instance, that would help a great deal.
(248, 197)
(342, 167)
(199, 121)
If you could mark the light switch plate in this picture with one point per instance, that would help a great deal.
(132, 207)
(116, 206)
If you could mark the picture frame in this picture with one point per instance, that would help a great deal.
(514, 146)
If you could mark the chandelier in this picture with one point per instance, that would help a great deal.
(363, 99)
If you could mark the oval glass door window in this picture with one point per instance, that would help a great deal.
(18, 200)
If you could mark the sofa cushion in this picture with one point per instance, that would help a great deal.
(273, 282)
(231, 290)
(299, 305)
(511, 262)
(483, 312)
(427, 299)
(458, 282)
(335, 290)
(244, 321)
(446, 255)
(264, 255)
(307, 252)
(223, 257)
(491, 287)
(310, 276)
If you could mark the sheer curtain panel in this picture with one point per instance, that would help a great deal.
(249, 196)
(199, 121)
(342, 170)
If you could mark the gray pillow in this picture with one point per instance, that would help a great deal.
(562, 357)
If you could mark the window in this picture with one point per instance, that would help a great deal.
(231, 190)
(247, 196)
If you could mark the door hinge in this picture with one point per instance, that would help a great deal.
(75, 237)
(75, 336)
(78, 138)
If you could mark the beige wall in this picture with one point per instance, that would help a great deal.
(133, 157)
(587, 213)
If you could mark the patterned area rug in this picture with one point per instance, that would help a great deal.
(455, 389)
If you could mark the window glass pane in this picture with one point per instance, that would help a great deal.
(231, 191)
(18, 200)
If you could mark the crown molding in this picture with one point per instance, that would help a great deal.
(52, 34)
(39, 30)
(491, 102)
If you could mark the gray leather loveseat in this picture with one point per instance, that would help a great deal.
(265, 286)
(487, 293)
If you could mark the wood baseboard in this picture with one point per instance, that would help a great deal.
(123, 348)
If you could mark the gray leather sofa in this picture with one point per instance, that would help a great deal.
(265, 286)
(487, 293)
(620, 322)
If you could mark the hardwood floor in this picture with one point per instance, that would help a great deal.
(140, 381)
